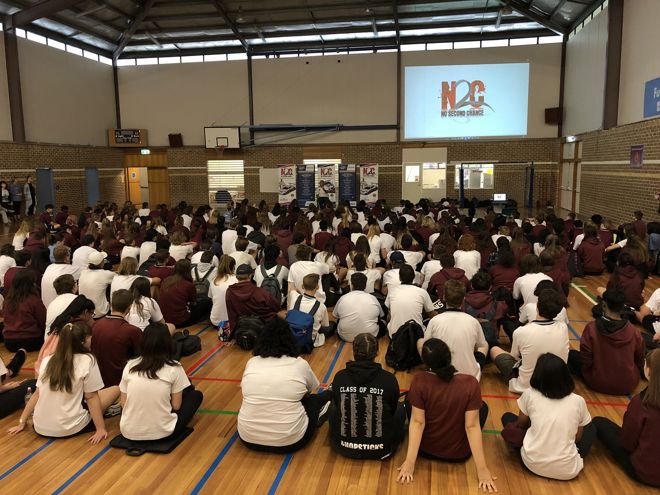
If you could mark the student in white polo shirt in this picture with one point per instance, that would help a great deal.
(542, 335)
(531, 275)
(94, 282)
(304, 266)
(80, 255)
(66, 288)
(460, 331)
(307, 301)
(62, 255)
(413, 258)
(358, 312)
(407, 302)
(391, 277)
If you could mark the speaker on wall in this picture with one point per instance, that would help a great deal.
(553, 116)
(176, 140)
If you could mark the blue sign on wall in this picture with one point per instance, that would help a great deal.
(652, 98)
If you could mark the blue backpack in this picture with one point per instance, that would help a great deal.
(302, 325)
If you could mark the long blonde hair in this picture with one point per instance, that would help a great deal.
(225, 269)
(59, 371)
(25, 228)
(128, 266)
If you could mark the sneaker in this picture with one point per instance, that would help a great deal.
(323, 414)
(16, 363)
(113, 410)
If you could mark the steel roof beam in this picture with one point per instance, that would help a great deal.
(524, 9)
(231, 24)
(141, 13)
(39, 11)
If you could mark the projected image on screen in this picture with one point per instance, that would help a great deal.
(466, 101)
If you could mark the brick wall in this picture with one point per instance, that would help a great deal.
(608, 185)
(190, 185)
(68, 163)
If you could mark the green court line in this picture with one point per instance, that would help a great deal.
(585, 293)
(217, 411)
(491, 432)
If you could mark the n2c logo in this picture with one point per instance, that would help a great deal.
(474, 97)
(369, 171)
(286, 172)
(326, 172)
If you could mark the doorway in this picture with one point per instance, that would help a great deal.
(571, 173)
(138, 184)
(147, 178)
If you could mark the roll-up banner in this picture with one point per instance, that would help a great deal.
(347, 183)
(306, 184)
(327, 182)
(287, 184)
(369, 183)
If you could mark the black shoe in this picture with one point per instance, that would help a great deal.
(323, 414)
(16, 363)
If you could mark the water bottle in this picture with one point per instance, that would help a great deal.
(28, 395)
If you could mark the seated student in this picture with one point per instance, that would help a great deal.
(148, 246)
(24, 314)
(627, 279)
(407, 301)
(322, 236)
(278, 384)
(217, 292)
(560, 277)
(240, 253)
(130, 249)
(297, 239)
(67, 377)
(540, 336)
(157, 398)
(358, 311)
(305, 302)
(559, 433)
(94, 282)
(391, 276)
(66, 288)
(7, 260)
(80, 255)
(591, 251)
(447, 416)
(245, 298)
(480, 303)
(373, 275)
(23, 260)
(460, 331)
(436, 285)
(634, 446)
(127, 274)
(366, 419)
(531, 275)
(272, 269)
(12, 394)
(304, 266)
(649, 315)
(178, 298)
(467, 257)
(203, 272)
(180, 248)
(80, 310)
(164, 266)
(529, 311)
(432, 266)
(114, 340)
(61, 266)
(145, 309)
(611, 355)
(413, 258)
(505, 272)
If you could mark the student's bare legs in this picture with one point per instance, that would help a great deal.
(108, 396)
(496, 351)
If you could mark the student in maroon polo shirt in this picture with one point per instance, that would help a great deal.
(611, 355)
(178, 298)
(634, 446)
(164, 266)
(22, 258)
(591, 251)
(114, 340)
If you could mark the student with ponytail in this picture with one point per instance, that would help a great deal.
(447, 416)
(634, 446)
(67, 377)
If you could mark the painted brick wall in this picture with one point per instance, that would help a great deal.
(190, 185)
(608, 185)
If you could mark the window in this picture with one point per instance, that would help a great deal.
(225, 175)
(412, 173)
(475, 176)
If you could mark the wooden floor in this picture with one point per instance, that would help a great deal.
(213, 460)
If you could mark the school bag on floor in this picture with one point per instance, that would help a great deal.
(402, 352)
(575, 267)
(185, 344)
(248, 329)
(302, 325)
(202, 285)
(271, 283)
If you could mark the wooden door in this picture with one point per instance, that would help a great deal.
(133, 182)
(159, 186)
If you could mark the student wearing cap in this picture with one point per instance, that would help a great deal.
(246, 299)
(94, 282)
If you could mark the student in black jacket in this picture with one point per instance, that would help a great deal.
(366, 418)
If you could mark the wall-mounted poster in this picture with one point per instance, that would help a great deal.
(637, 156)
(327, 183)
(287, 184)
(369, 183)
(305, 184)
(652, 98)
(347, 183)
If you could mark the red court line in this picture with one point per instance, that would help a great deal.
(203, 358)
(211, 379)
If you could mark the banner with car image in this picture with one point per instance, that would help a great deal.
(287, 184)
(326, 182)
(369, 183)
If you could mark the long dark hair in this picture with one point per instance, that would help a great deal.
(181, 272)
(140, 288)
(276, 340)
(75, 309)
(59, 370)
(22, 287)
(437, 356)
(156, 349)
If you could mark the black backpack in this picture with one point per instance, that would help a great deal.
(248, 330)
(402, 352)
(185, 344)
(148, 263)
(202, 285)
(271, 283)
(575, 267)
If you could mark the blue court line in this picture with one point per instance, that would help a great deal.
(203, 329)
(333, 362)
(81, 471)
(200, 484)
(280, 474)
(573, 332)
(26, 459)
(204, 363)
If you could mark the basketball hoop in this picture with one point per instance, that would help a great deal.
(220, 149)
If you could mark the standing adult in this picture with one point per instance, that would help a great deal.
(30, 194)
(16, 192)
